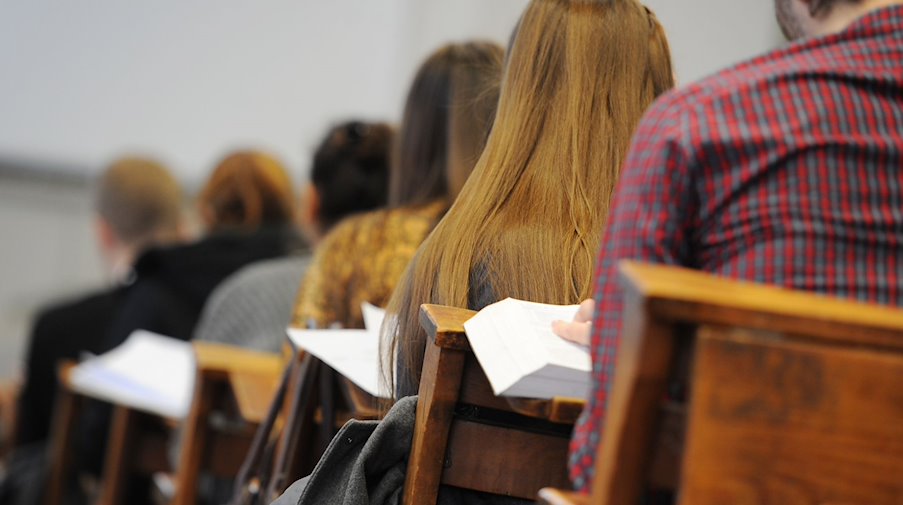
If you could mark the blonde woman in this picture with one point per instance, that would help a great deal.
(528, 222)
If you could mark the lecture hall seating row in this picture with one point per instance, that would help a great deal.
(725, 392)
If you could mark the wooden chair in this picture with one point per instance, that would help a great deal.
(232, 384)
(792, 397)
(319, 402)
(9, 396)
(136, 445)
(68, 407)
(469, 438)
(232, 391)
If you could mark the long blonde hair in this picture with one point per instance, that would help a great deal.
(529, 220)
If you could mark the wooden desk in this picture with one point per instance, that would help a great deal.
(791, 397)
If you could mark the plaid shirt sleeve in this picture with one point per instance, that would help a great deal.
(647, 223)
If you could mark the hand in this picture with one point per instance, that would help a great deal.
(578, 330)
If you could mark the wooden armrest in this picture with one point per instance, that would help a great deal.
(216, 357)
(253, 393)
(551, 496)
(445, 325)
(556, 410)
(681, 294)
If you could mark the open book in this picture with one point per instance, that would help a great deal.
(352, 353)
(513, 341)
(148, 372)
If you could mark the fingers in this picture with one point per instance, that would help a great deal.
(586, 311)
(577, 332)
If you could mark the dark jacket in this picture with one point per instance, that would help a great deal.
(166, 295)
(366, 464)
(172, 284)
(62, 331)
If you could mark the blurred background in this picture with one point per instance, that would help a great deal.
(83, 82)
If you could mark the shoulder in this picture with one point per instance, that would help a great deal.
(85, 307)
(375, 227)
(262, 273)
(738, 87)
(84, 319)
(258, 284)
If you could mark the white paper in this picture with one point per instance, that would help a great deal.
(521, 356)
(352, 353)
(149, 372)
(373, 316)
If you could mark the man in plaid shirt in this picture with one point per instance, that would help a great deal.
(786, 169)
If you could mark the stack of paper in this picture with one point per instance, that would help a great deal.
(148, 372)
(352, 353)
(521, 356)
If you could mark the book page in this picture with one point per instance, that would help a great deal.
(515, 345)
(373, 316)
(502, 362)
(555, 349)
(148, 372)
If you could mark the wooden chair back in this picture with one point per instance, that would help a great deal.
(9, 415)
(61, 445)
(791, 397)
(232, 389)
(136, 446)
(469, 438)
(313, 403)
(231, 384)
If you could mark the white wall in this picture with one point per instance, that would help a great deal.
(707, 35)
(188, 80)
(84, 80)
(47, 252)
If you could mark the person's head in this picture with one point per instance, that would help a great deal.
(448, 112)
(529, 220)
(805, 18)
(247, 190)
(349, 174)
(138, 204)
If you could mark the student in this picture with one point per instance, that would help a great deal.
(447, 115)
(350, 174)
(247, 211)
(785, 169)
(577, 79)
(138, 205)
(527, 223)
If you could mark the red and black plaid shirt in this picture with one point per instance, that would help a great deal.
(787, 169)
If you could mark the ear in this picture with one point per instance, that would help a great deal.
(812, 7)
(208, 218)
(106, 237)
(310, 205)
(309, 215)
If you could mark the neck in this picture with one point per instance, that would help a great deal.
(122, 256)
(844, 14)
(120, 262)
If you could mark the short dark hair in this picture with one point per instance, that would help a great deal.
(351, 170)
